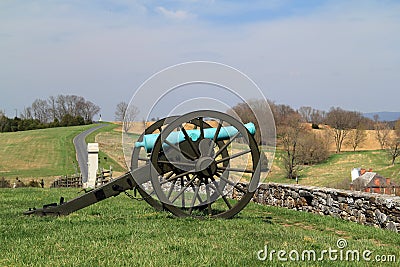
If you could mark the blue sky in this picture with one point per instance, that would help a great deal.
(300, 53)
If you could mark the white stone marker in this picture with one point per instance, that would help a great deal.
(93, 164)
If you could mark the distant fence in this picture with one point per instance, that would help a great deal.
(76, 180)
(104, 177)
(65, 181)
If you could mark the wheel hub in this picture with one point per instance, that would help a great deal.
(206, 166)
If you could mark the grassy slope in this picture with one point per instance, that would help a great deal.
(337, 168)
(120, 232)
(38, 153)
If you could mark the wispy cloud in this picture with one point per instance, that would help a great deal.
(175, 15)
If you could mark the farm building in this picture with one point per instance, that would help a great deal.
(369, 181)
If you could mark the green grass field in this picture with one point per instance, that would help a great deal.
(39, 153)
(122, 232)
(46, 153)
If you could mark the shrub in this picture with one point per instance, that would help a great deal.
(315, 126)
(33, 183)
(4, 183)
(312, 149)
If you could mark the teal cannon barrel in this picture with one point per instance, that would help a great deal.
(176, 137)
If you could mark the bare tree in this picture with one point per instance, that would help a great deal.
(120, 111)
(397, 127)
(306, 113)
(76, 106)
(356, 137)
(245, 112)
(51, 101)
(289, 134)
(26, 113)
(317, 116)
(311, 115)
(282, 113)
(382, 131)
(312, 148)
(126, 114)
(393, 148)
(40, 110)
(341, 123)
(89, 110)
(394, 143)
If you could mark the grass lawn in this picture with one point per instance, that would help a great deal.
(39, 153)
(122, 232)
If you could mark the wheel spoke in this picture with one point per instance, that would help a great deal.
(195, 150)
(184, 188)
(169, 175)
(196, 194)
(143, 159)
(189, 164)
(208, 200)
(171, 189)
(194, 189)
(215, 136)
(226, 145)
(178, 149)
(235, 169)
(215, 186)
(201, 128)
(233, 156)
(175, 177)
(231, 183)
(183, 194)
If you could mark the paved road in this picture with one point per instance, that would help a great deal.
(81, 150)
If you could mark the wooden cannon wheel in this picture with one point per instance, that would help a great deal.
(139, 157)
(194, 177)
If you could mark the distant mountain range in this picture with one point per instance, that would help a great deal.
(384, 115)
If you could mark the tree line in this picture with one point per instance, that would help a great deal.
(301, 146)
(56, 111)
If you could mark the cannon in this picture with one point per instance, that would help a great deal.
(189, 165)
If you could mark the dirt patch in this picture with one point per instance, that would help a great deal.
(110, 143)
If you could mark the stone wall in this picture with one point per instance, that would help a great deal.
(364, 208)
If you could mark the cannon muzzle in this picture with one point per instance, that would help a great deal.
(176, 137)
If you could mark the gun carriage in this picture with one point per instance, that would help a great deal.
(188, 165)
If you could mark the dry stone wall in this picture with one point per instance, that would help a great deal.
(365, 208)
